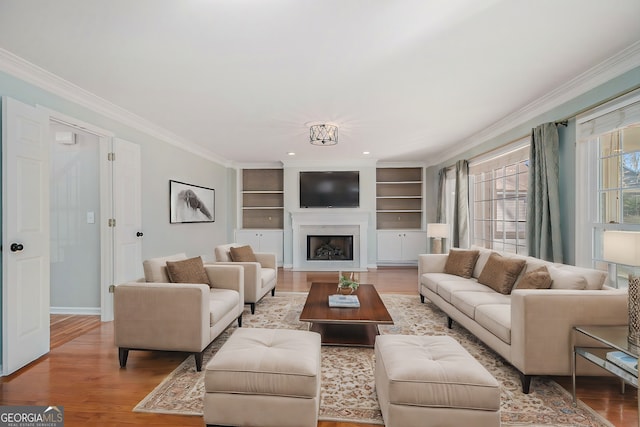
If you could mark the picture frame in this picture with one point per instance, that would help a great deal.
(190, 203)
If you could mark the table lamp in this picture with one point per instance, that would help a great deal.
(623, 247)
(437, 232)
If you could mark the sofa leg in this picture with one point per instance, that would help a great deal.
(240, 321)
(273, 292)
(198, 357)
(123, 354)
(253, 307)
(526, 382)
(449, 322)
(422, 298)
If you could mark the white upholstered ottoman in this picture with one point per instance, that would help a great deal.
(265, 378)
(433, 381)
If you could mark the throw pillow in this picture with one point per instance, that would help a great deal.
(461, 263)
(500, 273)
(188, 271)
(535, 279)
(242, 254)
(566, 279)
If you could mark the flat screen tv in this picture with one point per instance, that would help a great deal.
(336, 189)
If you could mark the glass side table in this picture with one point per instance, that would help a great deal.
(613, 338)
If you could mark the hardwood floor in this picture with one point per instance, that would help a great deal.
(81, 372)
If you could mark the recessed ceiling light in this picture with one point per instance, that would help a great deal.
(291, 153)
(366, 152)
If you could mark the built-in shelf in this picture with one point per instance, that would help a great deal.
(262, 199)
(399, 198)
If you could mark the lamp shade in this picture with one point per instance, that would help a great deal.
(622, 247)
(438, 231)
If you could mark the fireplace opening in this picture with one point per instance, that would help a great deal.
(324, 248)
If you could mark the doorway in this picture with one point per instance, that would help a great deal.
(75, 217)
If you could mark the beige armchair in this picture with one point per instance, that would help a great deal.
(154, 314)
(259, 277)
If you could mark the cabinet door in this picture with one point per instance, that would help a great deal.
(249, 237)
(413, 244)
(263, 241)
(389, 245)
(271, 241)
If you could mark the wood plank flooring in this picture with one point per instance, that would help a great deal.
(81, 371)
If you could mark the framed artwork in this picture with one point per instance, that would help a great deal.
(191, 203)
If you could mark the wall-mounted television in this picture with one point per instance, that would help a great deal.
(329, 189)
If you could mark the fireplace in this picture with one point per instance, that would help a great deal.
(329, 247)
(313, 228)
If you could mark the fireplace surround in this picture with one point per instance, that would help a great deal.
(306, 224)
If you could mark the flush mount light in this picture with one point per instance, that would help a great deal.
(323, 134)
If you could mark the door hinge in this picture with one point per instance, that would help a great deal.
(111, 157)
(112, 289)
(112, 222)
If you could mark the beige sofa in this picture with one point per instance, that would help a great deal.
(153, 314)
(259, 277)
(530, 328)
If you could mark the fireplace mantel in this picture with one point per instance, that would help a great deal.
(329, 221)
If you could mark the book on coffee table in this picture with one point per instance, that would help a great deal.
(345, 301)
(623, 360)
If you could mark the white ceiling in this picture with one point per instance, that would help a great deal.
(403, 79)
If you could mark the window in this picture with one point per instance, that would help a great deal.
(498, 199)
(609, 145)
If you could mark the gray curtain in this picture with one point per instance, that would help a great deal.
(461, 206)
(543, 199)
(442, 182)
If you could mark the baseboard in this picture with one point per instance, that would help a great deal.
(86, 311)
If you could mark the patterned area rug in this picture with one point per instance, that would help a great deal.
(348, 392)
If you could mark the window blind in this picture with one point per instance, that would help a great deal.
(609, 117)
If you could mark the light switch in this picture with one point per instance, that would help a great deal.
(91, 218)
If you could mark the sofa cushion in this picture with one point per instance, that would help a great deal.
(461, 263)
(483, 257)
(187, 271)
(242, 254)
(495, 318)
(564, 279)
(535, 279)
(155, 269)
(594, 278)
(447, 288)
(221, 302)
(500, 273)
(431, 280)
(468, 301)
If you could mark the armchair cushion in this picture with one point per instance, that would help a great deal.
(187, 271)
(155, 269)
(242, 254)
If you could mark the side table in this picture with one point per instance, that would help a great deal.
(613, 338)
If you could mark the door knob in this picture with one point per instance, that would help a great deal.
(139, 234)
(16, 247)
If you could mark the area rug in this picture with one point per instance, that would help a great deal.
(348, 387)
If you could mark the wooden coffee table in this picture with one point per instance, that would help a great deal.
(345, 326)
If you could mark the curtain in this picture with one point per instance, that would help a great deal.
(543, 205)
(461, 206)
(441, 202)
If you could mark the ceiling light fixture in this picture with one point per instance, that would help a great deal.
(323, 134)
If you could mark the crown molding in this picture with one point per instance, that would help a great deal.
(618, 64)
(31, 73)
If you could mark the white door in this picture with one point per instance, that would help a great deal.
(127, 199)
(25, 241)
